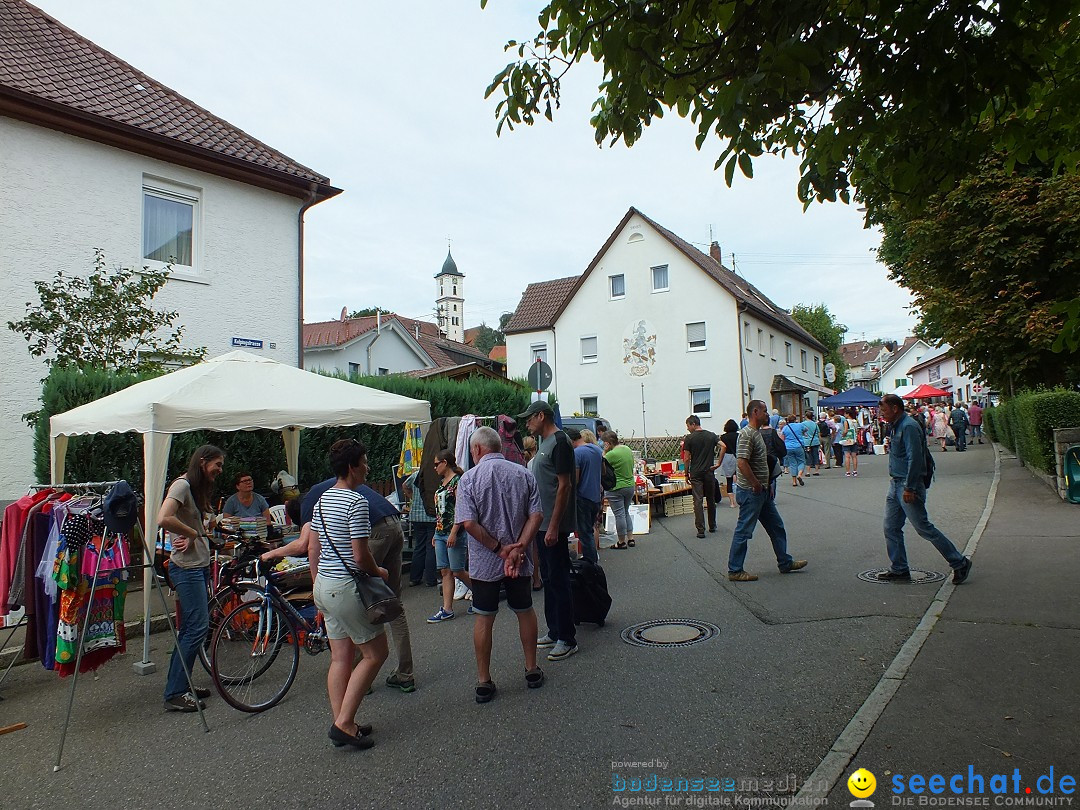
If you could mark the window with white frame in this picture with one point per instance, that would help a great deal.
(817, 366)
(802, 359)
(787, 353)
(695, 336)
(589, 406)
(701, 401)
(617, 285)
(660, 278)
(746, 335)
(772, 346)
(588, 349)
(761, 342)
(170, 219)
(539, 352)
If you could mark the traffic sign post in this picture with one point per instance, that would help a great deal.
(539, 376)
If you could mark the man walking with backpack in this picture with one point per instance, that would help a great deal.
(910, 474)
(958, 421)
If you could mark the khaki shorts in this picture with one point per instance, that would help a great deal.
(342, 611)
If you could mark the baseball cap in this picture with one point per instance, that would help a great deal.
(121, 508)
(572, 433)
(537, 407)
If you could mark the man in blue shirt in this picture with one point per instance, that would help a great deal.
(588, 458)
(907, 495)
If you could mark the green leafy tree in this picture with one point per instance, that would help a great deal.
(896, 99)
(488, 338)
(989, 264)
(819, 322)
(368, 312)
(105, 320)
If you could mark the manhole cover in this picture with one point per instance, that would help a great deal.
(669, 633)
(918, 577)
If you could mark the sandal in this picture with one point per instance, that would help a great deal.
(534, 678)
(485, 692)
(620, 544)
(630, 543)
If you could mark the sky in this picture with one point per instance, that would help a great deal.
(387, 100)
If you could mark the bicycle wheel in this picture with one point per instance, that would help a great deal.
(221, 603)
(254, 655)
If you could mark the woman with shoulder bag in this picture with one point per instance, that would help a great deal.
(337, 554)
(851, 454)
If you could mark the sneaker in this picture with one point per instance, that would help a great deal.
(561, 650)
(741, 576)
(406, 685)
(701, 535)
(545, 641)
(470, 611)
(201, 692)
(712, 530)
(895, 576)
(795, 566)
(460, 590)
(961, 573)
(847, 475)
(440, 616)
(183, 703)
(855, 474)
(468, 595)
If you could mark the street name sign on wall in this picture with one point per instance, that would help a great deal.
(247, 343)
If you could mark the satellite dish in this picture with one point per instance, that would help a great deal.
(830, 372)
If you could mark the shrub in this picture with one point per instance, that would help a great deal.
(1026, 423)
(990, 424)
(103, 457)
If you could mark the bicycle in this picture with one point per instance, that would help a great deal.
(255, 651)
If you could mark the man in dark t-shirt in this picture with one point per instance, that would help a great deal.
(554, 468)
(699, 453)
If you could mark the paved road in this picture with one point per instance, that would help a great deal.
(766, 699)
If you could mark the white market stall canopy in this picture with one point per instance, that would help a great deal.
(236, 391)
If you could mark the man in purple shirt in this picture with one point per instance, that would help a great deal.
(498, 505)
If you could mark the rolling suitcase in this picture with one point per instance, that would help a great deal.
(589, 586)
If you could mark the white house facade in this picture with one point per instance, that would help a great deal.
(655, 330)
(98, 155)
(894, 375)
(941, 370)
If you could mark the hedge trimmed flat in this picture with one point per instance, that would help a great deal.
(485, 692)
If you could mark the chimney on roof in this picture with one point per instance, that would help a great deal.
(714, 251)
(378, 321)
(416, 329)
(344, 313)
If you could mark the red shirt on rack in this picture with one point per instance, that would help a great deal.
(14, 523)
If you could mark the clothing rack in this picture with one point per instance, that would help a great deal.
(148, 562)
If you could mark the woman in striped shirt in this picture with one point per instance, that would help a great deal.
(338, 549)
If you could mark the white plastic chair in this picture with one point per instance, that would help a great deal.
(277, 513)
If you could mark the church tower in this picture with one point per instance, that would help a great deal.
(450, 299)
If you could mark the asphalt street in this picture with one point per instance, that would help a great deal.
(764, 700)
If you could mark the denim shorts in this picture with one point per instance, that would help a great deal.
(453, 557)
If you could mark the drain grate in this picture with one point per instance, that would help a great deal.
(669, 633)
(918, 577)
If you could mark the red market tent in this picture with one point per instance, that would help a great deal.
(927, 392)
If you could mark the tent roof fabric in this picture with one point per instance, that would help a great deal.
(853, 396)
(927, 392)
(238, 391)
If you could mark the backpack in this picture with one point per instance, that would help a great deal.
(775, 450)
(823, 428)
(608, 479)
(928, 471)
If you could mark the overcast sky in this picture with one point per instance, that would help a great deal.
(387, 100)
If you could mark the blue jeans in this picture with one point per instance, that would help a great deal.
(896, 512)
(619, 500)
(586, 528)
(754, 508)
(796, 461)
(190, 586)
(558, 598)
(422, 566)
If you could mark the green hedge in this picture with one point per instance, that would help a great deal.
(1025, 424)
(260, 452)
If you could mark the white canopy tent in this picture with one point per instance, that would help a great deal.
(235, 391)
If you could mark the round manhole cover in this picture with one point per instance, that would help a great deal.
(669, 633)
(918, 577)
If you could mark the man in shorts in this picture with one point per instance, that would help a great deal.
(498, 505)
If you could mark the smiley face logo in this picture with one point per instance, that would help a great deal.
(861, 783)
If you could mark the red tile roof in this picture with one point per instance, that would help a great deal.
(860, 352)
(444, 353)
(542, 303)
(498, 353)
(45, 65)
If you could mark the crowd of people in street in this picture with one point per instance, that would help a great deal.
(501, 530)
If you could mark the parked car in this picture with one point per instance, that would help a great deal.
(593, 423)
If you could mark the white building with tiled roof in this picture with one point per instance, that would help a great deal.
(388, 343)
(655, 325)
(96, 154)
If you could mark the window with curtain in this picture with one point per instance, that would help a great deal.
(701, 401)
(588, 406)
(618, 285)
(695, 336)
(787, 353)
(802, 358)
(588, 349)
(168, 227)
(660, 278)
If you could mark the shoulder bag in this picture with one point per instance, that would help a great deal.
(379, 600)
